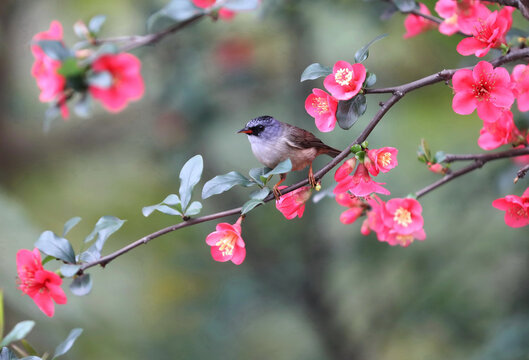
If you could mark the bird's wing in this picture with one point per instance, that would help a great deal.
(303, 139)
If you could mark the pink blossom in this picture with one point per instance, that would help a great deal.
(356, 207)
(394, 238)
(416, 24)
(520, 84)
(204, 4)
(43, 286)
(226, 243)
(360, 184)
(436, 168)
(44, 69)
(322, 107)
(488, 33)
(345, 170)
(292, 204)
(460, 15)
(346, 80)
(516, 209)
(484, 88)
(375, 220)
(498, 133)
(383, 159)
(226, 14)
(403, 216)
(127, 83)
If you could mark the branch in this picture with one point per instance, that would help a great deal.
(397, 92)
(521, 173)
(522, 5)
(432, 18)
(478, 161)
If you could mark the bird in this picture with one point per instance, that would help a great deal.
(273, 141)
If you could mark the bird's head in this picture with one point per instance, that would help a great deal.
(263, 127)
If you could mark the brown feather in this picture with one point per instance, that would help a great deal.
(303, 139)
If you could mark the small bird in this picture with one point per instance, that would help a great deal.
(273, 141)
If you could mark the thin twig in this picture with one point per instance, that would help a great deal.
(521, 173)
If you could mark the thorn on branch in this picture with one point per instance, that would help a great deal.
(521, 173)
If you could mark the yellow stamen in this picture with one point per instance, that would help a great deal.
(320, 105)
(384, 159)
(343, 76)
(402, 217)
(227, 244)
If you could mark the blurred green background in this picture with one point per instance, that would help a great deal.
(309, 288)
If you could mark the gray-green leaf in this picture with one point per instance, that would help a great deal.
(18, 333)
(70, 224)
(54, 49)
(363, 53)
(189, 177)
(250, 205)
(96, 23)
(349, 111)
(222, 183)
(281, 168)
(7, 354)
(101, 79)
(81, 285)
(405, 5)
(193, 209)
(148, 210)
(56, 246)
(172, 199)
(67, 344)
(105, 226)
(240, 5)
(315, 71)
(260, 194)
(68, 270)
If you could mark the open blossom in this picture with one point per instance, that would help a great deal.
(360, 184)
(322, 107)
(44, 69)
(127, 83)
(226, 243)
(381, 160)
(516, 209)
(460, 15)
(292, 204)
(520, 84)
(500, 132)
(415, 24)
(484, 88)
(204, 4)
(43, 286)
(346, 80)
(356, 207)
(488, 33)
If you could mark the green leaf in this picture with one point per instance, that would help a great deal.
(81, 285)
(439, 157)
(101, 79)
(222, 183)
(257, 173)
(349, 111)
(281, 168)
(172, 199)
(70, 224)
(105, 226)
(7, 354)
(54, 49)
(90, 255)
(68, 270)
(19, 332)
(240, 5)
(67, 344)
(51, 244)
(363, 53)
(189, 177)
(193, 209)
(175, 11)
(260, 194)
(30, 350)
(70, 68)
(1, 313)
(148, 210)
(315, 71)
(405, 5)
(250, 205)
(96, 23)
(371, 79)
(47, 259)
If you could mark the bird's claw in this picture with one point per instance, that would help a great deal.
(277, 192)
(312, 181)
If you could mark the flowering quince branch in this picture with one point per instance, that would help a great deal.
(521, 173)
(522, 5)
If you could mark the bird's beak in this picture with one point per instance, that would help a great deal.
(245, 131)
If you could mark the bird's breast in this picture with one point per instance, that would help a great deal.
(271, 153)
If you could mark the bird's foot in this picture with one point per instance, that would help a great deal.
(277, 192)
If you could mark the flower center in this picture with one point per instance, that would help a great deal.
(484, 86)
(483, 32)
(320, 105)
(343, 76)
(227, 244)
(402, 217)
(385, 159)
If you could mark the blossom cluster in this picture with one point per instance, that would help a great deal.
(112, 78)
(516, 209)
(344, 83)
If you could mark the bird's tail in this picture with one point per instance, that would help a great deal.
(332, 152)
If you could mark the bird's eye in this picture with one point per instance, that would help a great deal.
(260, 127)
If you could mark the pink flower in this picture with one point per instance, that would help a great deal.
(484, 88)
(394, 238)
(498, 133)
(226, 14)
(460, 15)
(488, 33)
(322, 107)
(41, 285)
(383, 159)
(436, 168)
(375, 220)
(127, 83)
(345, 170)
(403, 216)
(360, 184)
(516, 209)
(44, 69)
(292, 204)
(346, 80)
(520, 83)
(204, 4)
(415, 24)
(226, 243)
(355, 205)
